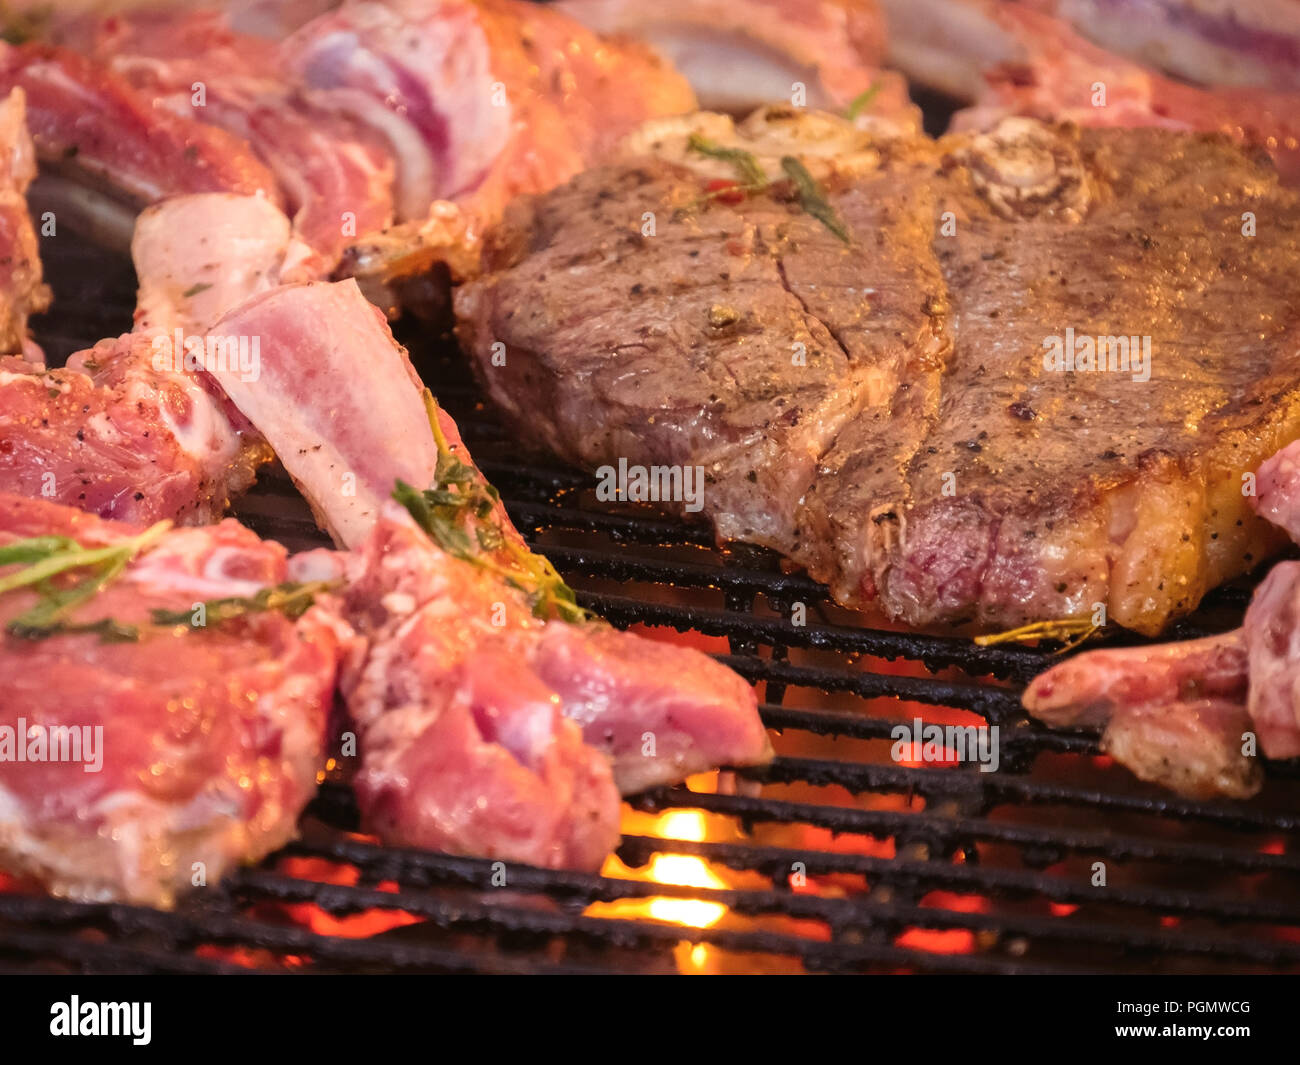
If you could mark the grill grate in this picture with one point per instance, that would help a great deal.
(834, 858)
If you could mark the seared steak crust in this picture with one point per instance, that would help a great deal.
(922, 453)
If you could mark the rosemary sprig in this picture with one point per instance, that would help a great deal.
(47, 557)
(290, 599)
(459, 513)
(746, 164)
(754, 179)
(811, 197)
(863, 100)
(1071, 631)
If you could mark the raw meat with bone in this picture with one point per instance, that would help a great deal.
(480, 102)
(1174, 714)
(112, 435)
(463, 746)
(617, 686)
(335, 176)
(880, 410)
(106, 151)
(743, 54)
(1008, 59)
(126, 430)
(202, 745)
(467, 741)
(1212, 42)
(435, 111)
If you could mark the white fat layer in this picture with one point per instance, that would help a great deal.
(160, 570)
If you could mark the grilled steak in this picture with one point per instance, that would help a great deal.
(896, 413)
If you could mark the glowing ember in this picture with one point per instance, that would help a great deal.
(682, 869)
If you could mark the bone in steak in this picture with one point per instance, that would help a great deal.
(886, 411)
(487, 725)
(198, 746)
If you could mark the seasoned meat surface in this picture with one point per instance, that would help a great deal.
(896, 412)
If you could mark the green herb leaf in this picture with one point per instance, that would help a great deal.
(290, 599)
(194, 290)
(47, 557)
(811, 197)
(24, 552)
(863, 100)
(747, 166)
(458, 512)
(108, 630)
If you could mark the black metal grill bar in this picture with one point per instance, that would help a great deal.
(994, 704)
(777, 862)
(532, 516)
(1021, 736)
(1045, 846)
(1002, 787)
(614, 565)
(182, 932)
(941, 832)
(413, 869)
(935, 652)
(967, 879)
(841, 915)
(105, 957)
(844, 954)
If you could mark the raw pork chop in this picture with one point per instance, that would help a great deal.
(487, 724)
(1008, 59)
(114, 435)
(198, 746)
(346, 455)
(743, 54)
(1175, 714)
